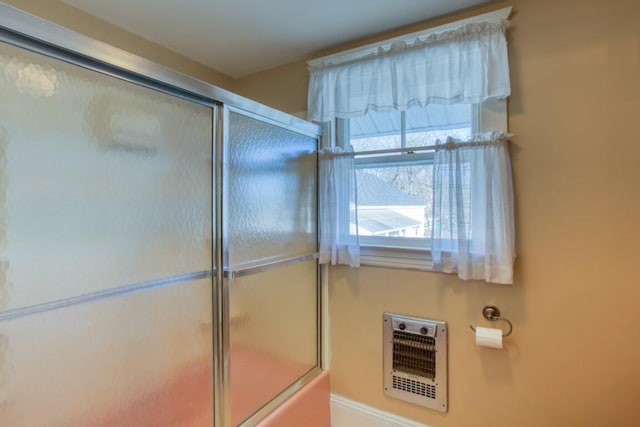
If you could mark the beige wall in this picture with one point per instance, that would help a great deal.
(574, 357)
(62, 14)
(284, 87)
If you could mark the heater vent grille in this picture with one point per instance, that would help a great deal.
(414, 387)
(414, 354)
(415, 360)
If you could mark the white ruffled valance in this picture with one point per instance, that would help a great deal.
(465, 65)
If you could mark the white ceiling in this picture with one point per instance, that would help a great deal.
(242, 37)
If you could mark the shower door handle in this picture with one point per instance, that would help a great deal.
(241, 272)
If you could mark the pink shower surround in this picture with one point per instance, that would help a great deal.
(186, 400)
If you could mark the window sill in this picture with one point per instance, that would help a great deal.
(395, 257)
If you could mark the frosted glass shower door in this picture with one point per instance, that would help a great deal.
(105, 249)
(269, 228)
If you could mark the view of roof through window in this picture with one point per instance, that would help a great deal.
(394, 191)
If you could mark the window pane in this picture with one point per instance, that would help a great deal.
(395, 190)
(422, 126)
(376, 131)
(422, 138)
(426, 125)
(395, 201)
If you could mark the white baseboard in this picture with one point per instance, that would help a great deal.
(349, 413)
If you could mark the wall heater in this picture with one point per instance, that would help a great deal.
(415, 360)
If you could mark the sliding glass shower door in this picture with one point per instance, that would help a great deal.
(269, 258)
(105, 250)
(158, 242)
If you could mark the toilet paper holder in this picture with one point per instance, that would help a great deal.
(492, 313)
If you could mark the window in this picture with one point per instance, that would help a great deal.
(450, 210)
(394, 189)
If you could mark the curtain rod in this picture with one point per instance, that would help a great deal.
(361, 52)
(449, 145)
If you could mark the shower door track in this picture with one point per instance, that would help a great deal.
(37, 35)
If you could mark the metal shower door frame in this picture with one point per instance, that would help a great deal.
(26, 31)
(224, 274)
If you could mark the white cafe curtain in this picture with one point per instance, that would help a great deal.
(473, 219)
(338, 220)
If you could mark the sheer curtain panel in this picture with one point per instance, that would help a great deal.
(338, 201)
(473, 221)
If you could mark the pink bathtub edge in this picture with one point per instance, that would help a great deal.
(308, 407)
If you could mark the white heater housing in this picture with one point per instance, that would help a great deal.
(415, 360)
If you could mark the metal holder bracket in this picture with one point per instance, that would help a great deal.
(492, 314)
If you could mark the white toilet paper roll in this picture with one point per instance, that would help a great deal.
(488, 337)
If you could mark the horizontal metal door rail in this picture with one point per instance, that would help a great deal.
(44, 307)
(230, 273)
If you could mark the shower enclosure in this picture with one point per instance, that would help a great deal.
(158, 260)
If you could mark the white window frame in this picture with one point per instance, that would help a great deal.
(414, 253)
